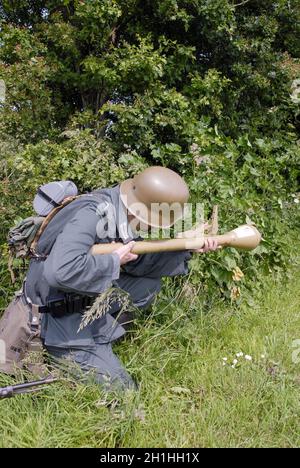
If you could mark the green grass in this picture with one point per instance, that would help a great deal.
(187, 397)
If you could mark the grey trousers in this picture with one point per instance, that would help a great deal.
(98, 362)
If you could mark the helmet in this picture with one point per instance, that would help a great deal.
(156, 196)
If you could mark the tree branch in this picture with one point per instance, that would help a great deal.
(241, 4)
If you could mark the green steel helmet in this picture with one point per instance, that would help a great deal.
(156, 196)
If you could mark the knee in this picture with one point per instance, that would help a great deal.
(148, 288)
(142, 290)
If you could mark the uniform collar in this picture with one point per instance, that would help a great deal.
(120, 214)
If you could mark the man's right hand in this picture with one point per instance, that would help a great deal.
(125, 253)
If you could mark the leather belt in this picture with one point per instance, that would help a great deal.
(67, 305)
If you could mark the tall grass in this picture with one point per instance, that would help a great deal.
(188, 395)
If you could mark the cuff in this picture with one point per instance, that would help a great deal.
(116, 266)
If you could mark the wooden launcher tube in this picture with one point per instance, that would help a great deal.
(245, 237)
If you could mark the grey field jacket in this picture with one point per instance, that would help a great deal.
(70, 269)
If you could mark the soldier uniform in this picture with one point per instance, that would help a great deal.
(70, 277)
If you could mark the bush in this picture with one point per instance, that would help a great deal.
(96, 91)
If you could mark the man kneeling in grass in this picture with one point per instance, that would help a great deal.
(70, 278)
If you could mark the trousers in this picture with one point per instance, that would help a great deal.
(98, 361)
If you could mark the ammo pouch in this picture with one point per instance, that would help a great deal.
(70, 304)
(20, 343)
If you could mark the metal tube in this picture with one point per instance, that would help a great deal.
(11, 390)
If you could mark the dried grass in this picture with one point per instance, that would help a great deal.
(103, 303)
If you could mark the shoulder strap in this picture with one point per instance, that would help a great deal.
(47, 220)
(95, 194)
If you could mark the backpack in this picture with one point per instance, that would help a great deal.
(20, 343)
(23, 238)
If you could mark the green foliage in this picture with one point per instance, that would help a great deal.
(98, 90)
(28, 111)
(77, 155)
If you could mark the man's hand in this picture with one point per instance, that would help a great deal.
(210, 245)
(125, 254)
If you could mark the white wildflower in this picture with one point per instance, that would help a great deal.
(194, 147)
(248, 358)
(296, 200)
(225, 359)
(235, 361)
